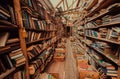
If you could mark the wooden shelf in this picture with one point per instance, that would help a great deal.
(112, 24)
(8, 49)
(7, 25)
(101, 5)
(41, 39)
(39, 30)
(7, 73)
(104, 40)
(100, 52)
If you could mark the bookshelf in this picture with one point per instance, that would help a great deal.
(28, 38)
(100, 34)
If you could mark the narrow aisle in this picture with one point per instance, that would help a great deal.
(70, 63)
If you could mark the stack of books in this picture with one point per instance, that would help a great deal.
(17, 57)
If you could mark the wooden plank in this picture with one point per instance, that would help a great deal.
(21, 35)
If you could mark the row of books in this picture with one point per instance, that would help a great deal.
(91, 33)
(17, 57)
(14, 59)
(31, 3)
(33, 36)
(110, 34)
(7, 12)
(90, 24)
(40, 62)
(34, 50)
(34, 23)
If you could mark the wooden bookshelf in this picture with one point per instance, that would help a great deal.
(7, 73)
(102, 5)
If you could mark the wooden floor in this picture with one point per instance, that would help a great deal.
(70, 63)
(66, 69)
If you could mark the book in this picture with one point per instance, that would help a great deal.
(3, 38)
(12, 40)
(13, 19)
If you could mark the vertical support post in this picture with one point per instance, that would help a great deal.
(21, 34)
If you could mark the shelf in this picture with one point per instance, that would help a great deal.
(100, 15)
(110, 24)
(104, 25)
(100, 52)
(39, 30)
(41, 39)
(7, 25)
(103, 4)
(104, 40)
(7, 73)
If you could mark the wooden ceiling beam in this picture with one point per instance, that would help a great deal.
(78, 3)
(72, 4)
(59, 4)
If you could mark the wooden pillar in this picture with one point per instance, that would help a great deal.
(21, 34)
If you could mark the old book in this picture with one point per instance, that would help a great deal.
(3, 38)
(12, 40)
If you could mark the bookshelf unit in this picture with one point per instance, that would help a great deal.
(28, 33)
(100, 36)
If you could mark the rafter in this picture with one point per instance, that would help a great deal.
(78, 3)
(59, 4)
(66, 4)
(71, 9)
(72, 4)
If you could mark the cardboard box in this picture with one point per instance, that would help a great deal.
(60, 50)
(89, 72)
(59, 58)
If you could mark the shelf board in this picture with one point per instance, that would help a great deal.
(6, 24)
(104, 40)
(9, 71)
(100, 52)
(41, 39)
(39, 30)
